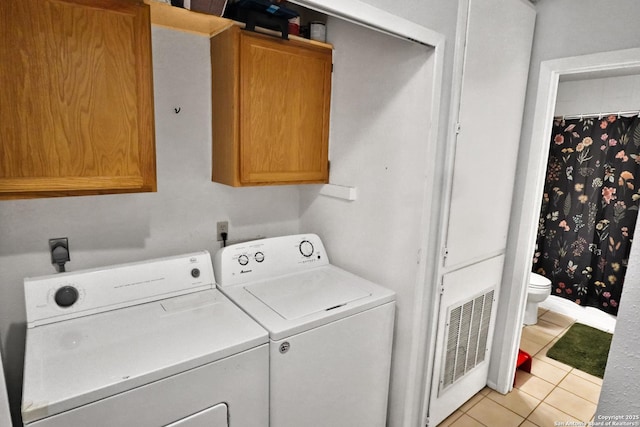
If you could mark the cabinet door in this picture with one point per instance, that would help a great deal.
(76, 99)
(496, 66)
(284, 111)
(494, 84)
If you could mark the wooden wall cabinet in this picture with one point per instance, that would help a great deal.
(270, 109)
(76, 98)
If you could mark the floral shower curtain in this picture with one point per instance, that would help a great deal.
(589, 209)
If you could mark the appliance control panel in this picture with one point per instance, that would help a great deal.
(268, 258)
(65, 296)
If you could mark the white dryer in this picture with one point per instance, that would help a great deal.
(143, 344)
(330, 331)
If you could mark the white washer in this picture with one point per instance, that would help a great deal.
(330, 331)
(142, 344)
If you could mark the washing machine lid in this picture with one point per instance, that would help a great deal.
(300, 295)
(75, 362)
(297, 302)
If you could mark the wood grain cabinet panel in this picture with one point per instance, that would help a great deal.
(76, 105)
(270, 109)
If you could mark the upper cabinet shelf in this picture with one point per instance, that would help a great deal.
(177, 18)
(270, 103)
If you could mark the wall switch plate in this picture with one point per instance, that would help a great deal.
(222, 227)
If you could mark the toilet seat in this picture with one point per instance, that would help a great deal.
(539, 286)
(538, 281)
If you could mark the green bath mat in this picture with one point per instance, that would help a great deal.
(584, 348)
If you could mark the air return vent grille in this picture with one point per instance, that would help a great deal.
(466, 339)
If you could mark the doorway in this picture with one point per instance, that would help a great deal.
(529, 189)
(590, 201)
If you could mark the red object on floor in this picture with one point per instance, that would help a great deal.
(524, 363)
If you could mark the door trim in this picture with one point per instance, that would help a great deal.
(526, 201)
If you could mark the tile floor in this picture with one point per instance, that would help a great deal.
(552, 391)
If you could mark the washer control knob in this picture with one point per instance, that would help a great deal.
(243, 260)
(306, 248)
(66, 296)
(195, 273)
(259, 256)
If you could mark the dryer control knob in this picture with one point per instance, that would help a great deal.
(306, 248)
(243, 260)
(66, 296)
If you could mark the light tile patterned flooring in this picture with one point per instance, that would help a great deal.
(552, 392)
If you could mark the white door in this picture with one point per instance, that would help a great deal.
(466, 320)
(496, 66)
(499, 35)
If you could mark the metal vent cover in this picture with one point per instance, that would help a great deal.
(467, 330)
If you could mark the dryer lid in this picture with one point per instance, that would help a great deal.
(299, 295)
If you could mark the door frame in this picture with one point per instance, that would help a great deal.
(527, 200)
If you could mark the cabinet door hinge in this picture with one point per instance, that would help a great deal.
(458, 127)
(332, 68)
(445, 254)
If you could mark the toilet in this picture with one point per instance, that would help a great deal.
(538, 290)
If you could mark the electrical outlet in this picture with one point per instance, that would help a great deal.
(59, 252)
(222, 227)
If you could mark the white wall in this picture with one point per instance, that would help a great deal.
(379, 142)
(598, 95)
(365, 228)
(181, 217)
(621, 386)
(566, 28)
